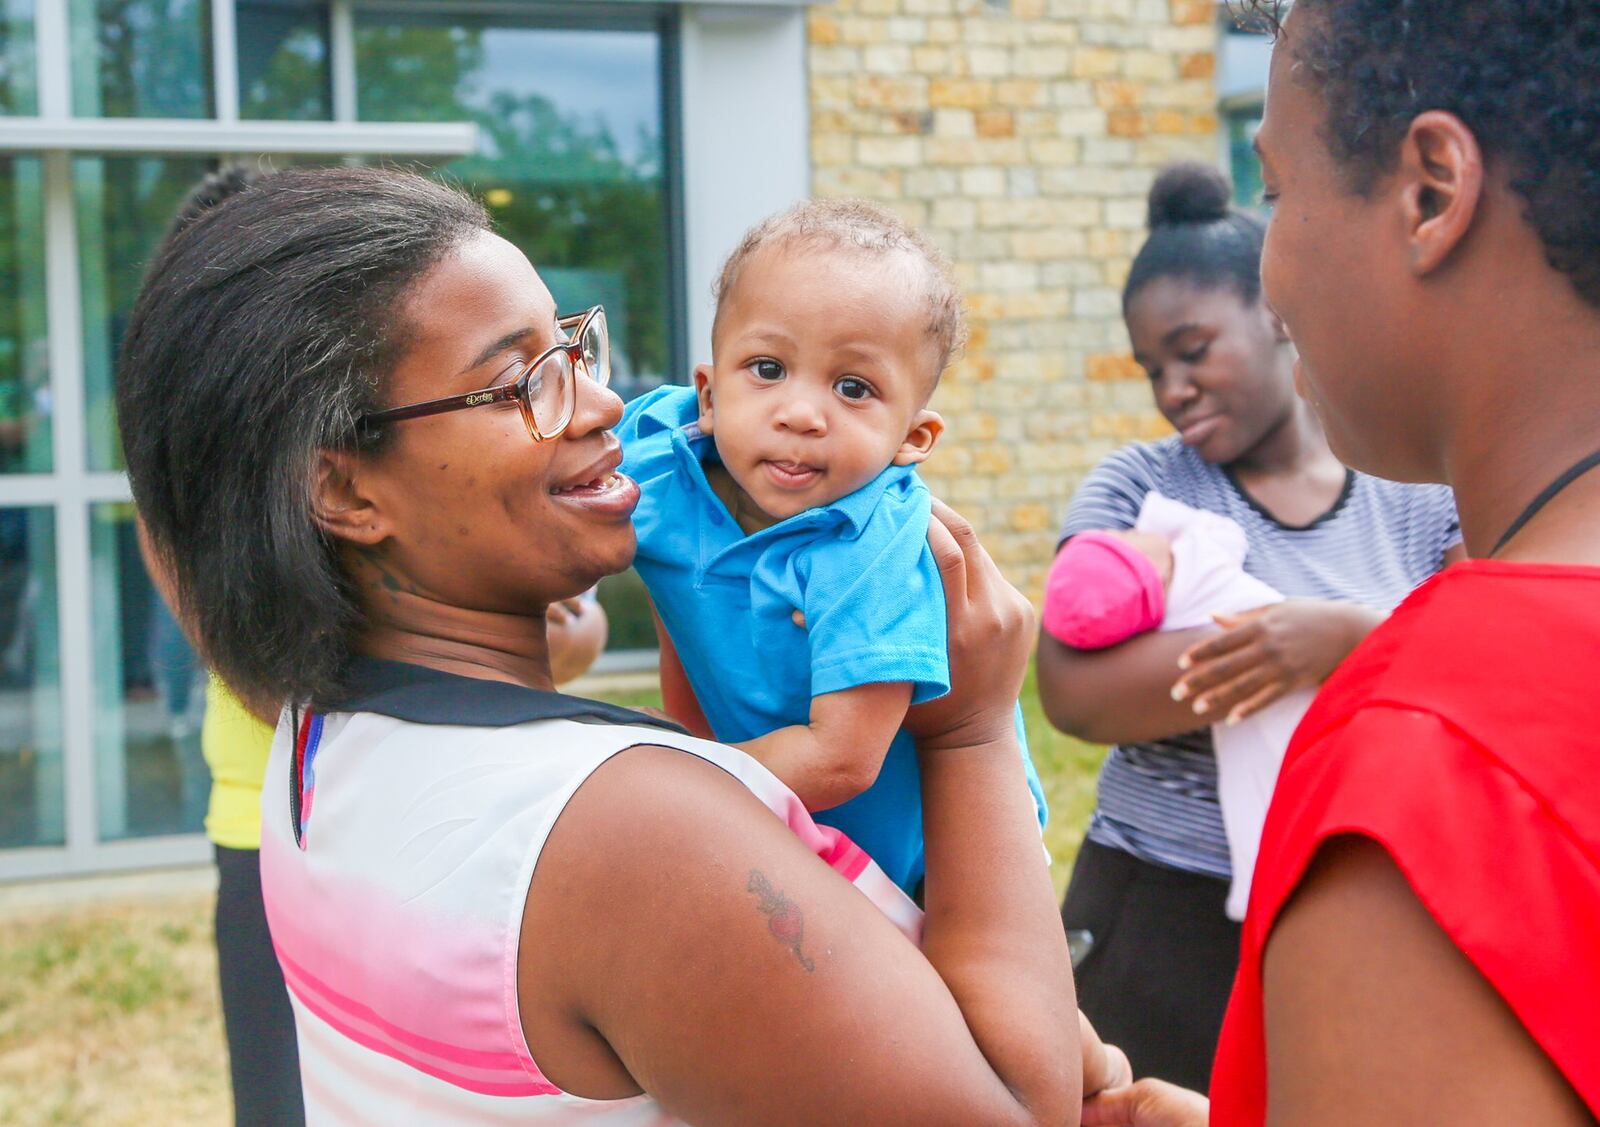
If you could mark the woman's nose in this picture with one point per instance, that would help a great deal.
(597, 407)
(1176, 390)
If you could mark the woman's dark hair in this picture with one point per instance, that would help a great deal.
(213, 189)
(1523, 75)
(258, 339)
(1197, 235)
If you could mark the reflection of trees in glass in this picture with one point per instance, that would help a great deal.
(283, 60)
(559, 186)
(17, 83)
(124, 206)
(24, 375)
(153, 56)
(568, 198)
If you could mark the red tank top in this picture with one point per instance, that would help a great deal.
(1464, 737)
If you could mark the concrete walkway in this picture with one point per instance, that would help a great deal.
(38, 897)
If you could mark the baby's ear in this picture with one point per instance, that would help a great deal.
(920, 439)
(702, 392)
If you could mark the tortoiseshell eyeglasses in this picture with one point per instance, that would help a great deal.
(546, 390)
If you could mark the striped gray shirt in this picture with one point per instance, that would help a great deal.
(1158, 800)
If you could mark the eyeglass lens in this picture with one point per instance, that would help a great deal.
(596, 346)
(552, 391)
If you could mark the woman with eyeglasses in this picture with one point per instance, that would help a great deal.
(372, 454)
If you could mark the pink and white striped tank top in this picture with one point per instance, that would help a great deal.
(399, 836)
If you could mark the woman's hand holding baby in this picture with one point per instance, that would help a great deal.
(1264, 654)
(991, 628)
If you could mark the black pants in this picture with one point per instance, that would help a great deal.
(1159, 970)
(262, 1056)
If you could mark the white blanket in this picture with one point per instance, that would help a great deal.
(1208, 577)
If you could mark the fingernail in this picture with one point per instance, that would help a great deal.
(1201, 707)
(1179, 692)
(1184, 662)
(1234, 718)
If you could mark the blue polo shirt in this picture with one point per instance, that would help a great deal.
(861, 572)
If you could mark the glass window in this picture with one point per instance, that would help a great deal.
(570, 157)
(283, 60)
(149, 694)
(1245, 167)
(32, 810)
(124, 205)
(24, 353)
(18, 88)
(141, 58)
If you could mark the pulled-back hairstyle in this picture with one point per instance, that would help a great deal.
(213, 189)
(258, 339)
(833, 224)
(1521, 74)
(1197, 235)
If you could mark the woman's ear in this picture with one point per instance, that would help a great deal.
(1441, 170)
(920, 439)
(339, 504)
(702, 392)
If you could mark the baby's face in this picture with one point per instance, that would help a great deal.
(823, 365)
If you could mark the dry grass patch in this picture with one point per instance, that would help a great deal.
(109, 1016)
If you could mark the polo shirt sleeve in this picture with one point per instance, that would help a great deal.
(646, 432)
(874, 604)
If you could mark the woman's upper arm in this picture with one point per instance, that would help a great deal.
(735, 976)
(1374, 1016)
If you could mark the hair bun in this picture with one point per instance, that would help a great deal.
(1189, 192)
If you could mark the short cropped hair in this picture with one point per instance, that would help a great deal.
(1519, 73)
(847, 224)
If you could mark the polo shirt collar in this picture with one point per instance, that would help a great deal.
(720, 535)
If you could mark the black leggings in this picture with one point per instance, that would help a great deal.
(1160, 967)
(262, 1056)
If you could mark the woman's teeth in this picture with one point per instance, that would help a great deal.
(598, 484)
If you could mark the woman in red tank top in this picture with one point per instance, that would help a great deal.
(1423, 941)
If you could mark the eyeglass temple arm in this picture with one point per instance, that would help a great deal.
(448, 403)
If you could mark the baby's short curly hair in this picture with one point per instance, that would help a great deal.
(847, 224)
(1523, 75)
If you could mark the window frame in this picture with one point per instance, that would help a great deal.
(703, 59)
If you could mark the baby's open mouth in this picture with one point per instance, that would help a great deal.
(792, 475)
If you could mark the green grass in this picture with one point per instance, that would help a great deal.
(109, 1012)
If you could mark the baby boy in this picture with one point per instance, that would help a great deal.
(782, 527)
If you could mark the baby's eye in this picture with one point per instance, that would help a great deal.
(852, 388)
(769, 370)
(1195, 355)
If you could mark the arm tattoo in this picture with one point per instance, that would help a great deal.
(784, 918)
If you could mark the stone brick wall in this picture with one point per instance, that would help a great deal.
(1023, 136)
